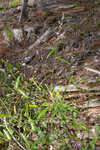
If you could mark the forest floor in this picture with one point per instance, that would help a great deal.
(67, 53)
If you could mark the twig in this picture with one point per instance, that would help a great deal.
(51, 95)
(92, 70)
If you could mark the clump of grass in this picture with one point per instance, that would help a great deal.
(1, 7)
(8, 32)
(14, 3)
(34, 117)
(11, 4)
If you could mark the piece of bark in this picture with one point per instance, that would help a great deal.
(68, 6)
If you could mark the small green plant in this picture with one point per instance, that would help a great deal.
(14, 3)
(1, 7)
(62, 60)
(8, 32)
(35, 117)
(52, 50)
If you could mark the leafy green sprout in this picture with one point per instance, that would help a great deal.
(52, 50)
(62, 60)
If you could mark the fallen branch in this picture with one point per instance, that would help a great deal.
(45, 37)
(42, 39)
